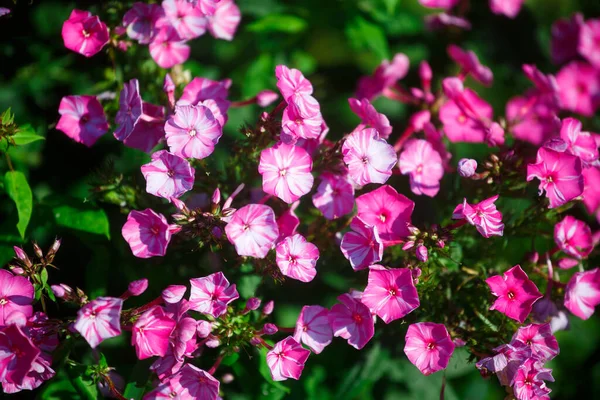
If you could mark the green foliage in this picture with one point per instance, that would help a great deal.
(17, 188)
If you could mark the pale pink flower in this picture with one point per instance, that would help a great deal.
(16, 295)
(4, 11)
(384, 76)
(582, 294)
(559, 174)
(147, 134)
(352, 321)
(208, 7)
(469, 62)
(516, 293)
(168, 175)
(565, 38)
(435, 22)
(173, 293)
(100, 319)
(506, 362)
(84, 33)
(387, 210)
(167, 48)
(187, 19)
(130, 109)
(147, 233)
(428, 346)
(369, 116)
(574, 237)
(390, 293)
(423, 165)
(286, 171)
(201, 89)
(297, 258)
(17, 355)
(265, 98)
(579, 88)
(362, 245)
(225, 20)
(445, 4)
(286, 359)
(334, 196)
(580, 144)
(151, 333)
(528, 381)
(465, 116)
(292, 84)
(140, 21)
(192, 132)
(467, 167)
(191, 382)
(589, 41)
(253, 230)
(370, 159)
(313, 329)
(297, 124)
(510, 8)
(82, 119)
(484, 216)
(539, 339)
(211, 294)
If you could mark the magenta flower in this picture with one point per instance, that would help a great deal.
(173, 294)
(384, 76)
(192, 382)
(82, 119)
(464, 117)
(16, 295)
(297, 124)
(201, 89)
(579, 88)
(147, 233)
(192, 132)
(589, 42)
(130, 109)
(469, 63)
(528, 381)
(168, 175)
(286, 359)
(140, 21)
(428, 346)
(225, 20)
(167, 48)
(352, 321)
(582, 294)
(578, 143)
(435, 22)
(510, 8)
(286, 171)
(445, 4)
(565, 38)
(297, 258)
(17, 355)
(369, 116)
(370, 159)
(151, 333)
(574, 237)
(147, 134)
(423, 165)
(334, 196)
(559, 175)
(100, 319)
(467, 167)
(484, 216)
(390, 293)
(533, 118)
(313, 329)
(539, 339)
(387, 210)
(591, 191)
(187, 19)
(211, 294)
(84, 33)
(253, 230)
(362, 245)
(288, 222)
(515, 293)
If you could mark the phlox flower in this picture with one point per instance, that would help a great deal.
(187, 19)
(559, 175)
(582, 294)
(130, 109)
(565, 38)
(515, 293)
(173, 293)
(297, 124)
(578, 143)
(352, 320)
(82, 119)
(423, 165)
(253, 230)
(17, 355)
(591, 191)
(208, 7)
(574, 237)
(369, 116)
(390, 293)
(334, 196)
(297, 258)
(192, 132)
(167, 48)
(151, 333)
(167, 175)
(100, 319)
(387, 210)
(579, 88)
(510, 8)
(147, 233)
(445, 4)
(313, 329)
(39, 373)
(539, 339)
(201, 89)
(384, 76)
(370, 159)
(147, 134)
(484, 216)
(466, 167)
(288, 222)
(286, 359)
(528, 383)
(225, 20)
(362, 245)
(465, 116)
(16, 295)
(469, 63)
(211, 294)
(533, 118)
(428, 347)
(295, 88)
(191, 382)
(435, 22)
(84, 33)
(140, 21)
(286, 171)
(589, 41)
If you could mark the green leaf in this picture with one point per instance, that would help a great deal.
(230, 359)
(365, 35)
(84, 387)
(7, 117)
(137, 381)
(278, 23)
(248, 284)
(82, 217)
(17, 188)
(26, 135)
(44, 276)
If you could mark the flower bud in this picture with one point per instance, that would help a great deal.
(416, 273)
(453, 87)
(203, 329)
(467, 167)
(533, 257)
(216, 196)
(419, 119)
(441, 244)
(58, 291)
(213, 343)
(567, 263)
(253, 303)
(495, 135)
(17, 270)
(22, 256)
(173, 293)
(37, 250)
(269, 329)
(268, 308)
(138, 287)
(422, 253)
(408, 245)
(168, 84)
(53, 249)
(256, 341)
(425, 74)
(266, 98)
(217, 232)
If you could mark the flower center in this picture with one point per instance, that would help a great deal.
(430, 346)
(85, 33)
(299, 121)
(3, 301)
(365, 160)
(382, 217)
(282, 172)
(510, 295)
(154, 230)
(170, 173)
(357, 318)
(193, 133)
(84, 118)
(419, 169)
(246, 227)
(292, 259)
(462, 119)
(392, 292)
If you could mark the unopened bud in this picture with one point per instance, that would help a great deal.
(37, 250)
(58, 291)
(17, 270)
(533, 257)
(227, 378)
(418, 120)
(173, 293)
(213, 343)
(203, 329)
(256, 341)
(216, 196)
(253, 303)
(266, 98)
(53, 249)
(22, 256)
(269, 329)
(467, 167)
(138, 287)
(422, 253)
(268, 308)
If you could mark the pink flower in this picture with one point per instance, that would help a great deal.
(424, 166)
(591, 191)
(84, 33)
(192, 132)
(589, 41)
(173, 293)
(147, 134)
(352, 320)
(387, 210)
(469, 62)
(510, 8)
(313, 329)
(484, 216)
(147, 233)
(533, 118)
(294, 87)
(140, 21)
(187, 19)
(574, 237)
(201, 89)
(445, 4)
(82, 119)
(579, 88)
(130, 109)
(191, 382)
(334, 196)
(16, 295)
(100, 319)
(559, 175)
(436, 22)
(428, 346)
(390, 293)
(17, 355)
(297, 258)
(151, 332)
(527, 382)
(39, 373)
(516, 293)
(168, 175)
(253, 230)
(539, 339)
(288, 222)
(580, 144)
(286, 359)
(286, 171)
(362, 245)
(211, 294)
(369, 116)
(168, 49)
(384, 76)
(464, 117)
(467, 167)
(225, 20)
(297, 124)
(370, 159)
(565, 38)
(582, 294)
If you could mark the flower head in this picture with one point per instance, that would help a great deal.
(151, 333)
(225, 20)
(82, 119)
(297, 258)
(334, 196)
(574, 237)
(84, 33)
(589, 41)
(147, 134)
(362, 245)
(130, 109)
(192, 382)
(469, 62)
(565, 38)
(369, 116)
(16, 295)
(578, 143)
(168, 175)
(18, 355)
(296, 123)
(465, 116)
(313, 329)
(187, 19)
(370, 159)
(294, 87)
(423, 165)
(428, 346)
(147, 233)
(167, 48)
(352, 320)
(100, 319)
(192, 132)
(539, 339)
(528, 383)
(211, 294)
(140, 21)
(253, 230)
(582, 294)
(515, 293)
(484, 216)
(579, 88)
(510, 8)
(286, 359)
(384, 76)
